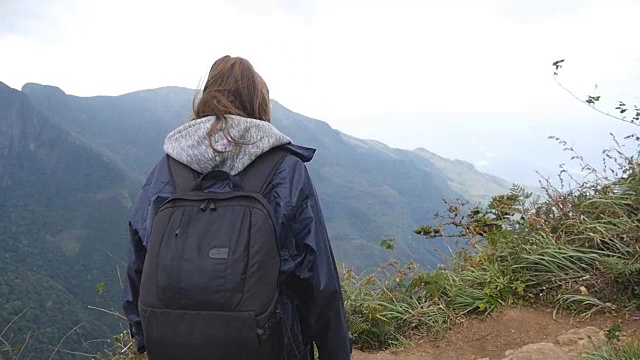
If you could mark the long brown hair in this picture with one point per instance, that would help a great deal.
(233, 87)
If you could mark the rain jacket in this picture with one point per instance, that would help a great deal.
(311, 304)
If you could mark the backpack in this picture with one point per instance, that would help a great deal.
(211, 276)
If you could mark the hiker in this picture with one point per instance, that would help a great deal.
(229, 254)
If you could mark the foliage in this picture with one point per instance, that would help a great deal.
(616, 348)
(577, 248)
(613, 332)
(391, 305)
(621, 109)
(627, 351)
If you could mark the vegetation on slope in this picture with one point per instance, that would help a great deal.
(576, 249)
(63, 224)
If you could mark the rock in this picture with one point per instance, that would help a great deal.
(540, 351)
(571, 345)
(580, 341)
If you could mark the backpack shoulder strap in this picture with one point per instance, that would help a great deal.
(182, 176)
(257, 175)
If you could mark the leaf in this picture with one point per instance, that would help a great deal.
(387, 243)
(613, 333)
(100, 288)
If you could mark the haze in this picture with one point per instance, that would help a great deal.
(466, 79)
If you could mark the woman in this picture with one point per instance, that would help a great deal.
(229, 129)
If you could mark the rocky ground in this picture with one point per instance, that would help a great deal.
(515, 334)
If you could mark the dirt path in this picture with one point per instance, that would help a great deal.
(507, 330)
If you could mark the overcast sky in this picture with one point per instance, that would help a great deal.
(467, 79)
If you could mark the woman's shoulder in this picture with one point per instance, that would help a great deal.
(302, 153)
(292, 175)
(295, 160)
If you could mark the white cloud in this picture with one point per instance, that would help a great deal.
(409, 73)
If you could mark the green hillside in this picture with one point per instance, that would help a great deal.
(64, 210)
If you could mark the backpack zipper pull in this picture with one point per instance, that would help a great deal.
(204, 205)
(212, 205)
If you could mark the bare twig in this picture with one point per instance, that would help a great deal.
(591, 104)
(108, 312)
(26, 341)
(116, 258)
(593, 107)
(98, 340)
(78, 353)
(119, 276)
(12, 321)
(62, 340)
(127, 347)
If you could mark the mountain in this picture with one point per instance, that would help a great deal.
(368, 190)
(464, 178)
(71, 167)
(63, 209)
(128, 129)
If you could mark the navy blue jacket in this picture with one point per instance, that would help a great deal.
(311, 304)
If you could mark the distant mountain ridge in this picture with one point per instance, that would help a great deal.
(369, 189)
(464, 178)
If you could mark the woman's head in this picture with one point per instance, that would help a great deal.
(233, 87)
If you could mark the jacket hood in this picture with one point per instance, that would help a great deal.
(189, 144)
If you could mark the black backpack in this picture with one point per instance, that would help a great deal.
(210, 280)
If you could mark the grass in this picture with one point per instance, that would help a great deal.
(627, 351)
(615, 348)
(576, 249)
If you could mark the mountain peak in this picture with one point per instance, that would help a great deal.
(30, 87)
(4, 86)
(5, 90)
